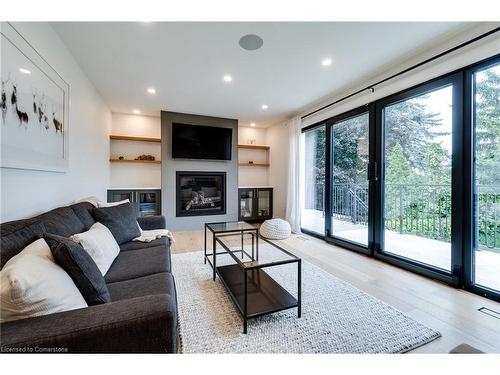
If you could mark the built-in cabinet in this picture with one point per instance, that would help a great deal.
(147, 202)
(255, 203)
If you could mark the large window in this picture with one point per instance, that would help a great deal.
(413, 179)
(417, 189)
(486, 119)
(350, 179)
(313, 182)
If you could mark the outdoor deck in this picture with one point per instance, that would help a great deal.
(436, 253)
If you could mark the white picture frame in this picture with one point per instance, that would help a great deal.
(34, 107)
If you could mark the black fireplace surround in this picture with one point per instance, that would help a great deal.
(200, 193)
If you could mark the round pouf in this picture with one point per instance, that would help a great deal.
(275, 229)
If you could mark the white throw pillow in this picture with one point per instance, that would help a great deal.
(100, 244)
(111, 204)
(32, 284)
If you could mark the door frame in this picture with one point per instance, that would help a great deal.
(329, 237)
(452, 277)
(469, 243)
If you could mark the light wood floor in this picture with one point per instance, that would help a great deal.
(451, 311)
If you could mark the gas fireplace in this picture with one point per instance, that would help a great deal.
(201, 193)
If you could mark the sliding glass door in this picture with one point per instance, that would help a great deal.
(417, 190)
(313, 180)
(349, 199)
(413, 179)
(486, 181)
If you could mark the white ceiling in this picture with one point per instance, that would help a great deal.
(185, 62)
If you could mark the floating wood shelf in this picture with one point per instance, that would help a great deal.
(254, 164)
(132, 138)
(135, 161)
(254, 147)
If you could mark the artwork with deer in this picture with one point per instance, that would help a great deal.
(34, 107)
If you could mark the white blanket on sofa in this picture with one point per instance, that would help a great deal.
(151, 235)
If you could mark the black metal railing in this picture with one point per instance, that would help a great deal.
(422, 210)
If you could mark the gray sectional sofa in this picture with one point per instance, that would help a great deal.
(142, 317)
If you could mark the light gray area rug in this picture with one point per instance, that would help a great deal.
(336, 316)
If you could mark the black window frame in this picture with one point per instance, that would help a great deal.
(452, 277)
(330, 123)
(462, 256)
(306, 129)
(468, 257)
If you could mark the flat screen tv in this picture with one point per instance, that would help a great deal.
(201, 142)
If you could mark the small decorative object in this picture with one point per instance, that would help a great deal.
(145, 157)
(252, 141)
(34, 107)
(275, 229)
(250, 162)
(121, 158)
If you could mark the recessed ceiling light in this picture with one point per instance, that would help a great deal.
(151, 91)
(252, 124)
(227, 78)
(25, 71)
(326, 62)
(264, 106)
(136, 111)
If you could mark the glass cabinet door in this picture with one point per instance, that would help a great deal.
(148, 203)
(120, 195)
(247, 203)
(264, 203)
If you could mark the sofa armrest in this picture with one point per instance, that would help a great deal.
(152, 222)
(136, 325)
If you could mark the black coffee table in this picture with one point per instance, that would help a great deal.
(253, 291)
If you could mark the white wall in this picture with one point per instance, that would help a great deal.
(130, 175)
(247, 134)
(25, 193)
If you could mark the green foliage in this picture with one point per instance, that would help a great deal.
(488, 127)
(413, 127)
(350, 150)
(398, 170)
(437, 165)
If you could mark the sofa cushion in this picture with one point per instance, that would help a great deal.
(16, 235)
(83, 211)
(121, 220)
(159, 283)
(136, 245)
(62, 221)
(78, 264)
(137, 263)
(100, 244)
(32, 284)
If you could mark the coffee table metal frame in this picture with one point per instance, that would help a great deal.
(260, 281)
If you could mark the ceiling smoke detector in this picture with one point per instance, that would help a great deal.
(251, 42)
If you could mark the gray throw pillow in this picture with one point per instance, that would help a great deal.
(15, 236)
(121, 221)
(72, 258)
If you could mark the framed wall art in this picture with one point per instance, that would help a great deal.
(34, 106)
